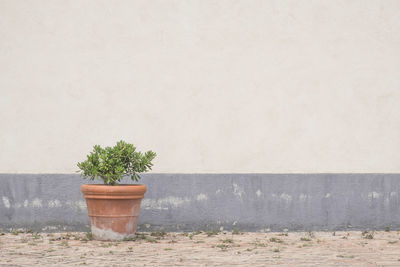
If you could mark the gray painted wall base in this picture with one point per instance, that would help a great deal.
(189, 202)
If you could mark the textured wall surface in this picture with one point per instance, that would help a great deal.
(211, 86)
(251, 202)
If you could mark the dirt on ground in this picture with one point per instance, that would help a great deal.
(368, 248)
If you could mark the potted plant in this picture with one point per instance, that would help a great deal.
(114, 208)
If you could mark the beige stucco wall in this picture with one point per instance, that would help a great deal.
(211, 86)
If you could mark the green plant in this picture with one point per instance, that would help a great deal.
(222, 247)
(111, 164)
(16, 232)
(211, 233)
(345, 256)
(191, 235)
(368, 234)
(276, 240)
(159, 234)
(258, 243)
(235, 232)
(227, 240)
(36, 235)
(64, 243)
(89, 235)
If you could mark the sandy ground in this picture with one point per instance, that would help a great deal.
(203, 249)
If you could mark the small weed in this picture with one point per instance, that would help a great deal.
(227, 240)
(368, 234)
(130, 248)
(305, 239)
(199, 241)
(387, 229)
(64, 243)
(212, 233)
(276, 250)
(159, 234)
(393, 242)
(235, 232)
(61, 237)
(258, 243)
(36, 236)
(142, 237)
(24, 240)
(32, 243)
(191, 235)
(111, 252)
(133, 238)
(275, 240)
(66, 236)
(167, 248)
(106, 245)
(151, 240)
(16, 232)
(222, 246)
(345, 256)
(89, 235)
(283, 234)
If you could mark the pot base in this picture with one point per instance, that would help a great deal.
(109, 235)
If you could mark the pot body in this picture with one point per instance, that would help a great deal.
(113, 210)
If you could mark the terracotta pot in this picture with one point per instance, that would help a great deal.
(113, 210)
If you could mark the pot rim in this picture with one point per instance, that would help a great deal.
(125, 191)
